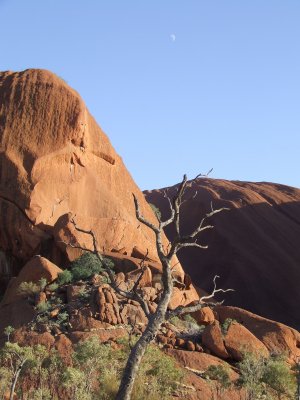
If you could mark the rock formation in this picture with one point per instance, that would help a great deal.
(254, 246)
(56, 164)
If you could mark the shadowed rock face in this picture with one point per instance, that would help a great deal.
(254, 246)
(55, 162)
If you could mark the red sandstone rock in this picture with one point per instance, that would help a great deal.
(239, 340)
(33, 271)
(139, 253)
(146, 280)
(212, 338)
(6, 396)
(180, 342)
(199, 361)
(254, 247)
(31, 338)
(104, 334)
(278, 338)
(40, 298)
(198, 347)
(182, 297)
(162, 339)
(64, 347)
(190, 346)
(204, 316)
(52, 150)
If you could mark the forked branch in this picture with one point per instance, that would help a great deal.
(202, 302)
(128, 294)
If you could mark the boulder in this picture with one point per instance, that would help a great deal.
(104, 334)
(146, 279)
(199, 361)
(133, 315)
(239, 340)
(182, 297)
(31, 338)
(35, 269)
(204, 316)
(212, 339)
(277, 337)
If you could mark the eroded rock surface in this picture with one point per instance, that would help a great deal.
(56, 163)
(254, 246)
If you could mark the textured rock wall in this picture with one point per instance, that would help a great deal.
(55, 162)
(254, 246)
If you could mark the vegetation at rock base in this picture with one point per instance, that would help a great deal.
(219, 377)
(226, 324)
(266, 378)
(28, 289)
(94, 372)
(83, 268)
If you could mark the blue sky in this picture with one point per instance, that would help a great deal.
(224, 94)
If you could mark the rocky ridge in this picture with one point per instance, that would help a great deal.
(253, 246)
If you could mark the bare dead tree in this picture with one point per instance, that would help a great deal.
(166, 255)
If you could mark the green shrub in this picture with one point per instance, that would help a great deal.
(157, 379)
(220, 374)
(64, 277)
(53, 287)
(28, 289)
(188, 324)
(88, 265)
(261, 376)
(42, 283)
(84, 294)
(95, 372)
(62, 319)
(226, 324)
(9, 330)
(43, 307)
(278, 376)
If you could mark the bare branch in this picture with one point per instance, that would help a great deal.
(215, 290)
(177, 203)
(171, 219)
(203, 175)
(143, 269)
(191, 244)
(201, 303)
(141, 218)
(131, 295)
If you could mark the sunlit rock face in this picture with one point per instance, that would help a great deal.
(55, 164)
(254, 246)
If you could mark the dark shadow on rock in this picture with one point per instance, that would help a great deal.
(254, 248)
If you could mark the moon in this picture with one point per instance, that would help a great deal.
(173, 37)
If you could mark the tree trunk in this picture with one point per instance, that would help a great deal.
(13, 385)
(154, 323)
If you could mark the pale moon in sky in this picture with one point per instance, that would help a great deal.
(173, 37)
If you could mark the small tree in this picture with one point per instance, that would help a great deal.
(220, 377)
(269, 377)
(277, 376)
(9, 330)
(166, 256)
(16, 358)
